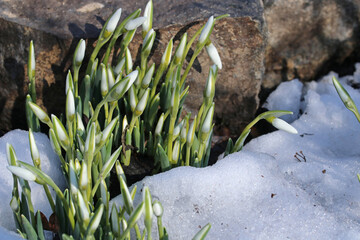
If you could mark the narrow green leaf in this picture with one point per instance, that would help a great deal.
(30, 231)
(202, 233)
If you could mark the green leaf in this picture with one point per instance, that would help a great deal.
(39, 226)
(162, 157)
(134, 217)
(125, 194)
(202, 233)
(30, 231)
(95, 221)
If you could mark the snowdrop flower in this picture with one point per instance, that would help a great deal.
(206, 127)
(134, 23)
(111, 79)
(40, 114)
(80, 125)
(148, 76)
(148, 41)
(104, 83)
(112, 23)
(132, 76)
(206, 30)
(133, 100)
(118, 69)
(165, 60)
(84, 212)
(70, 105)
(210, 85)
(22, 173)
(34, 150)
(214, 55)
(69, 82)
(109, 128)
(60, 132)
(181, 49)
(148, 13)
(282, 125)
(31, 61)
(159, 125)
(128, 60)
(157, 208)
(80, 52)
(140, 107)
(191, 132)
(83, 181)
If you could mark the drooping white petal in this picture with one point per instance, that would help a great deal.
(282, 125)
(214, 55)
(135, 23)
(22, 173)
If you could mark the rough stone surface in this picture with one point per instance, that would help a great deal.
(308, 38)
(56, 26)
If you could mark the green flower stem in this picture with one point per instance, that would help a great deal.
(113, 105)
(27, 192)
(132, 123)
(197, 50)
(187, 160)
(137, 231)
(188, 67)
(76, 82)
(170, 137)
(49, 197)
(118, 32)
(94, 54)
(160, 228)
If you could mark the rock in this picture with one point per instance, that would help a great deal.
(308, 38)
(56, 27)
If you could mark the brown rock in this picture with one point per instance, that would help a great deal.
(56, 26)
(308, 38)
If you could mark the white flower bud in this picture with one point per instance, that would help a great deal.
(191, 132)
(158, 209)
(22, 173)
(134, 23)
(282, 125)
(206, 30)
(112, 23)
(70, 105)
(80, 53)
(111, 79)
(147, 24)
(181, 48)
(214, 55)
(33, 149)
(140, 107)
(208, 120)
(148, 76)
(159, 125)
(150, 36)
(41, 114)
(118, 69)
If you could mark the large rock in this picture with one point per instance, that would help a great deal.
(307, 38)
(56, 27)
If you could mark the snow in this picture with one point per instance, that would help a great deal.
(264, 191)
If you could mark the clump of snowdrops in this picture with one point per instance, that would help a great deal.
(127, 108)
